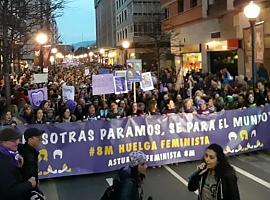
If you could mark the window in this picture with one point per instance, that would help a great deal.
(167, 13)
(193, 3)
(126, 32)
(125, 14)
(180, 6)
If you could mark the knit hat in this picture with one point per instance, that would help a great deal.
(31, 132)
(136, 158)
(200, 102)
(8, 134)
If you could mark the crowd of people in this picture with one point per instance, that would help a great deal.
(215, 178)
(197, 92)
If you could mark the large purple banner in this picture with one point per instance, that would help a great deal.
(101, 146)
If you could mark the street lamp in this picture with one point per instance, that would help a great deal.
(54, 50)
(252, 11)
(91, 56)
(41, 39)
(102, 52)
(125, 45)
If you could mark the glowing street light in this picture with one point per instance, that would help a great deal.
(125, 45)
(252, 11)
(54, 50)
(59, 55)
(101, 51)
(91, 54)
(42, 38)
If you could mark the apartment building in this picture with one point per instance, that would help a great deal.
(138, 21)
(105, 23)
(209, 35)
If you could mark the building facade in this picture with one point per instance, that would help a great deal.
(138, 22)
(105, 23)
(135, 21)
(209, 35)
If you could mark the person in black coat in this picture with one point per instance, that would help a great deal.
(33, 138)
(131, 178)
(215, 178)
(12, 185)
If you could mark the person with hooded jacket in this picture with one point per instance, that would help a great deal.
(130, 178)
(215, 178)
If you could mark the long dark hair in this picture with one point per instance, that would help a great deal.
(223, 166)
(138, 177)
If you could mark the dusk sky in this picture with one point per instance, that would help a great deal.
(78, 22)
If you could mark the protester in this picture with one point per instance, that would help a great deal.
(39, 117)
(215, 178)
(33, 138)
(8, 119)
(27, 116)
(221, 87)
(131, 178)
(66, 116)
(12, 184)
(152, 108)
(170, 107)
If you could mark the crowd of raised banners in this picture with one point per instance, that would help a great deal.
(101, 146)
(102, 84)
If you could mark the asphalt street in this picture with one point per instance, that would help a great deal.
(168, 182)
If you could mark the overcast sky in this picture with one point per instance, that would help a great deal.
(78, 22)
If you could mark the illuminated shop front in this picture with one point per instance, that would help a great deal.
(223, 54)
(192, 62)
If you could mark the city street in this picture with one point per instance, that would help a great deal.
(168, 182)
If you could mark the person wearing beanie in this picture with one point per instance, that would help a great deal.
(131, 178)
(215, 177)
(33, 138)
(12, 185)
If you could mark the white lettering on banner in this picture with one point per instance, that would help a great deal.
(250, 120)
(201, 126)
(152, 157)
(136, 131)
(68, 137)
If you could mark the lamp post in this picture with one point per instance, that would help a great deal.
(41, 39)
(125, 45)
(252, 11)
(91, 56)
(53, 57)
(102, 52)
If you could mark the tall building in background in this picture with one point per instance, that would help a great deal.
(209, 35)
(105, 23)
(138, 22)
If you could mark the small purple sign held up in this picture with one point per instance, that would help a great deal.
(37, 96)
(102, 84)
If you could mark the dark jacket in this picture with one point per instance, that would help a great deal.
(30, 156)
(128, 187)
(12, 186)
(227, 188)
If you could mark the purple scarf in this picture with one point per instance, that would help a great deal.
(13, 154)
